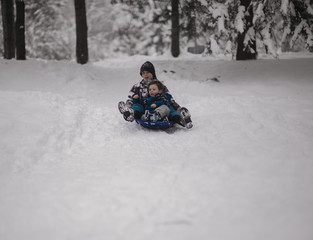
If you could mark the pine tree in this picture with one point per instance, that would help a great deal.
(279, 24)
(100, 27)
(297, 15)
(140, 27)
(192, 25)
(144, 27)
(50, 28)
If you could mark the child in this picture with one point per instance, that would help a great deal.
(157, 105)
(134, 107)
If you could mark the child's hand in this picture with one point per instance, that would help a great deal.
(153, 105)
(136, 96)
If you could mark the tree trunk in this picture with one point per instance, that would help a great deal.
(175, 29)
(246, 51)
(7, 7)
(20, 30)
(81, 32)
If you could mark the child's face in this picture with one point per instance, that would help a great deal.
(147, 75)
(153, 90)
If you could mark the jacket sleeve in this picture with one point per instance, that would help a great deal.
(156, 100)
(171, 100)
(160, 103)
(174, 104)
(133, 91)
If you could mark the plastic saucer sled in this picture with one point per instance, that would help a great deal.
(155, 125)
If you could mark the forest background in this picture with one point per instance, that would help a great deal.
(208, 27)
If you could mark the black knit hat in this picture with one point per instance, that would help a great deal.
(148, 66)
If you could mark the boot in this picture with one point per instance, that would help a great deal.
(128, 113)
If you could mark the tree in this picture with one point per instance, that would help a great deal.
(144, 27)
(20, 30)
(7, 7)
(246, 41)
(297, 16)
(50, 28)
(81, 32)
(140, 27)
(175, 28)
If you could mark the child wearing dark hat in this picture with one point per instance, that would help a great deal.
(135, 106)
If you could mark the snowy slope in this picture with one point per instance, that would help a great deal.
(72, 168)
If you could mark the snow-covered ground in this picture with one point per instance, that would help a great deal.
(72, 168)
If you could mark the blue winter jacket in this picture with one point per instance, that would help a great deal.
(159, 99)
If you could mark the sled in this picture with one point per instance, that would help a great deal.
(155, 125)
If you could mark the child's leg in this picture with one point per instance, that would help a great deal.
(181, 117)
(163, 111)
(186, 117)
(159, 114)
(175, 116)
(138, 110)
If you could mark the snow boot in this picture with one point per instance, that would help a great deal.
(156, 117)
(146, 116)
(186, 118)
(153, 117)
(128, 113)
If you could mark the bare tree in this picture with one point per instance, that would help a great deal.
(20, 30)
(7, 7)
(175, 28)
(81, 32)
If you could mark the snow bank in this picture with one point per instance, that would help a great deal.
(72, 168)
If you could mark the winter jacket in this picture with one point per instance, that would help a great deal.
(141, 89)
(159, 99)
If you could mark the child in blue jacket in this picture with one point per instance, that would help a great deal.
(158, 104)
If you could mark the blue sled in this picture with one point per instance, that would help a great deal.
(155, 125)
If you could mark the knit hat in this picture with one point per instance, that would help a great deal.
(148, 66)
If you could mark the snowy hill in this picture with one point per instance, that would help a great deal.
(72, 168)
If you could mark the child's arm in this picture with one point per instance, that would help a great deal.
(134, 92)
(157, 104)
(158, 101)
(172, 102)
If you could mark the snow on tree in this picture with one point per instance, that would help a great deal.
(139, 28)
(297, 16)
(100, 27)
(144, 27)
(209, 22)
(240, 25)
(50, 29)
(266, 21)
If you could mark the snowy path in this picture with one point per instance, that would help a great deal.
(72, 168)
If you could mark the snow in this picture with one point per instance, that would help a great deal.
(220, 12)
(72, 168)
(284, 7)
(240, 26)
